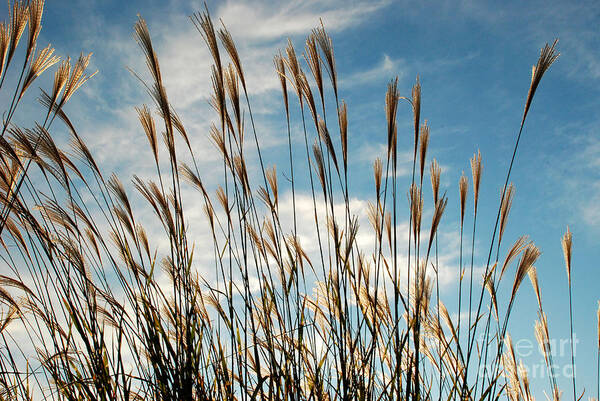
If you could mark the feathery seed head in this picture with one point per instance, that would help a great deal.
(229, 45)
(490, 286)
(4, 44)
(374, 215)
(272, 180)
(435, 172)
(326, 138)
(535, 284)
(60, 79)
(476, 171)
(528, 258)
(377, 171)
(217, 138)
(343, 122)
(416, 209)
(292, 63)
(218, 96)
(149, 127)
(391, 108)
(43, 60)
(388, 228)
(239, 165)
(510, 369)
(77, 77)
(204, 25)
(308, 95)
(280, 69)
(423, 142)
(142, 37)
(542, 336)
(311, 55)
(326, 45)
(548, 55)
(36, 9)
(440, 206)
(319, 165)
(231, 84)
(517, 247)
(463, 185)
(416, 105)
(505, 209)
(567, 242)
(18, 21)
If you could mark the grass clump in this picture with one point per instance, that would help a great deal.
(113, 316)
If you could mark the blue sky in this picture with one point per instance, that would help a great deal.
(474, 60)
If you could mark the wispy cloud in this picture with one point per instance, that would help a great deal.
(588, 182)
(572, 176)
(259, 29)
(260, 20)
(386, 69)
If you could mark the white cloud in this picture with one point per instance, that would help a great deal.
(573, 171)
(259, 29)
(386, 69)
(367, 153)
(589, 161)
(261, 20)
(589, 208)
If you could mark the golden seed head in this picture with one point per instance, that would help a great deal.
(416, 105)
(343, 122)
(435, 172)
(567, 242)
(229, 45)
(535, 284)
(377, 172)
(36, 9)
(4, 44)
(326, 45)
(416, 205)
(271, 175)
(476, 172)
(440, 206)
(311, 55)
(528, 258)
(77, 77)
(204, 25)
(280, 69)
(44, 59)
(292, 63)
(423, 143)
(18, 21)
(505, 209)
(548, 55)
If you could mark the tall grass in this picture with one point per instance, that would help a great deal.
(112, 315)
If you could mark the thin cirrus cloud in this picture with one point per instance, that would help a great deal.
(258, 21)
(386, 68)
(586, 184)
(260, 31)
(185, 62)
